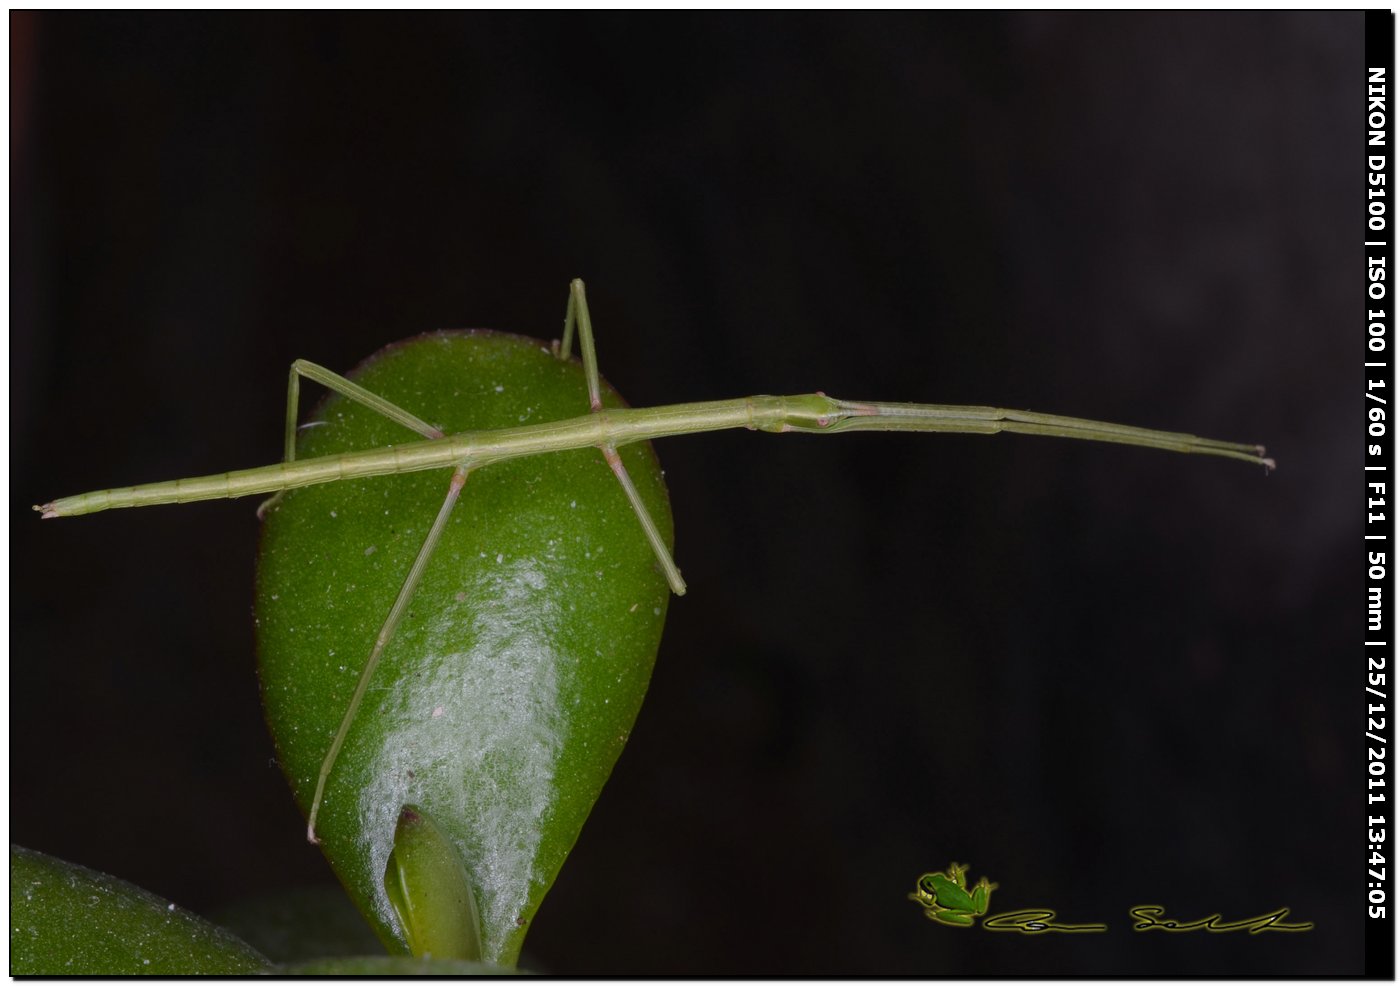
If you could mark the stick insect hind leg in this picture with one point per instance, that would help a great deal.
(386, 633)
(346, 388)
(577, 313)
(353, 391)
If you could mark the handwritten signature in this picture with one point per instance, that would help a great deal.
(1149, 918)
(1039, 920)
(1034, 921)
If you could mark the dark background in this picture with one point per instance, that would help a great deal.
(1103, 676)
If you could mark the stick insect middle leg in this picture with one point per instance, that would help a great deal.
(577, 313)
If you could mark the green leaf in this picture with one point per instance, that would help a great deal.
(67, 920)
(511, 686)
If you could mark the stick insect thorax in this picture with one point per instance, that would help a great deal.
(606, 430)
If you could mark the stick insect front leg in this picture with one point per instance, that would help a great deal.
(577, 313)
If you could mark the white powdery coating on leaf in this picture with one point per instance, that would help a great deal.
(490, 711)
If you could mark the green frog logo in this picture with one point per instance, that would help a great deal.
(946, 899)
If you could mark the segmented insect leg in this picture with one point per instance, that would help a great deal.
(347, 388)
(386, 632)
(577, 313)
(673, 574)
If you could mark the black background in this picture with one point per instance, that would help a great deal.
(1102, 676)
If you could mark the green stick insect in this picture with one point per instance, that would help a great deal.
(604, 429)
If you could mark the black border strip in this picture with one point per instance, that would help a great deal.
(1378, 340)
